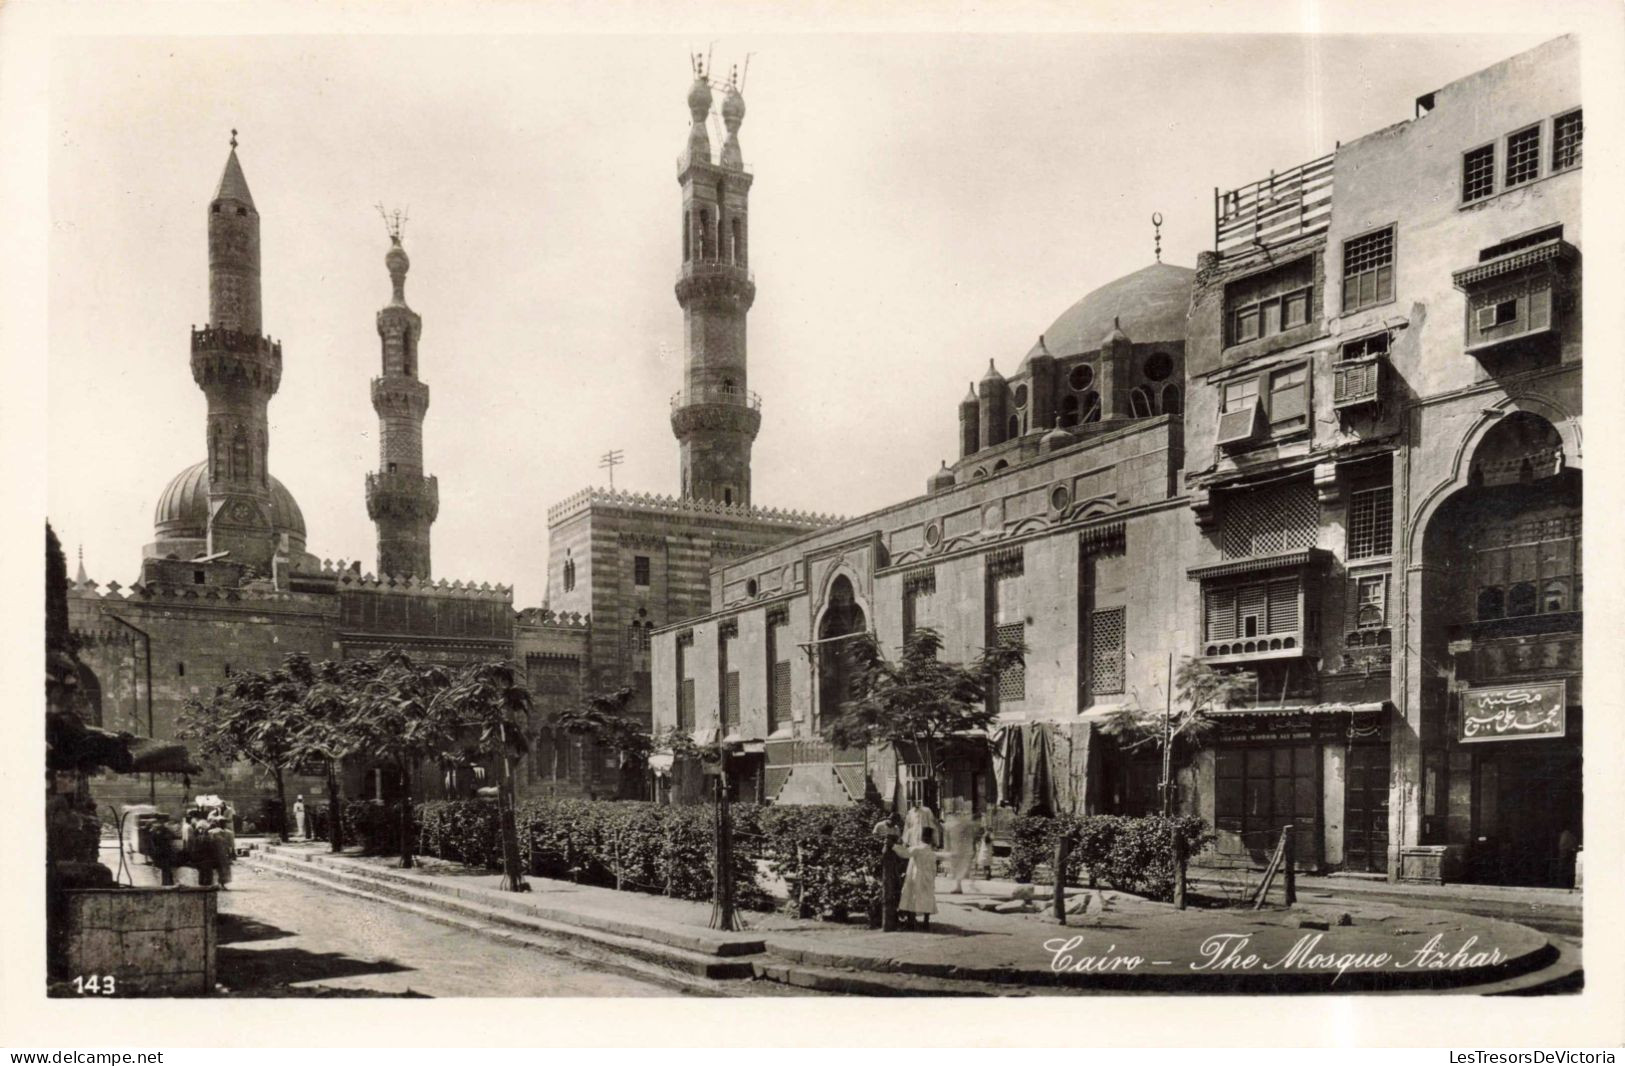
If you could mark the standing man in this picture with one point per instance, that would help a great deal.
(299, 817)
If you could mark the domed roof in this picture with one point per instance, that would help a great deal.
(699, 96)
(395, 260)
(183, 506)
(1149, 305)
(733, 105)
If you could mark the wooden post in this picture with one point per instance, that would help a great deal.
(1288, 867)
(722, 891)
(1180, 859)
(1063, 850)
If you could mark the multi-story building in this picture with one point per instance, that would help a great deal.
(1367, 423)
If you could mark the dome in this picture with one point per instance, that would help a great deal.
(941, 480)
(733, 106)
(183, 507)
(1149, 305)
(699, 96)
(395, 259)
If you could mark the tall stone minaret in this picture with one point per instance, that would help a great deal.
(401, 501)
(238, 370)
(715, 417)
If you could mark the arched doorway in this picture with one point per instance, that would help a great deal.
(843, 618)
(1501, 623)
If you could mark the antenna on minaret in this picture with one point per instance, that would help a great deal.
(234, 138)
(1156, 221)
(746, 73)
(712, 47)
(394, 221)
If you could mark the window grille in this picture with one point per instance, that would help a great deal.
(730, 700)
(1368, 269)
(1528, 567)
(780, 694)
(1269, 520)
(1567, 133)
(1107, 630)
(1371, 522)
(640, 570)
(1523, 156)
(1478, 173)
(1013, 681)
(1257, 609)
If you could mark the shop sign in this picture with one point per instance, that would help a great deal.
(1513, 712)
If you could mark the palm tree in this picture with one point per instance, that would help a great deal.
(487, 706)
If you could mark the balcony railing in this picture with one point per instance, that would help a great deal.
(732, 395)
(1282, 207)
(683, 161)
(714, 265)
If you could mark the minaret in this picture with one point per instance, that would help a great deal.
(401, 501)
(715, 417)
(238, 370)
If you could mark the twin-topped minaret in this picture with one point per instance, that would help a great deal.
(238, 370)
(401, 501)
(715, 416)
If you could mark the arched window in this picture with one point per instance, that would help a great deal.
(1071, 411)
(1012, 428)
(1521, 599)
(1000, 465)
(1091, 406)
(727, 495)
(1140, 402)
(738, 225)
(1171, 403)
(240, 465)
(688, 237)
(569, 574)
(1491, 603)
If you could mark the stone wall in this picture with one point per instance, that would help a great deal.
(149, 941)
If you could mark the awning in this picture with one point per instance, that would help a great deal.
(1310, 709)
(1283, 561)
(160, 757)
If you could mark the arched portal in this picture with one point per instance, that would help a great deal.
(843, 618)
(1500, 625)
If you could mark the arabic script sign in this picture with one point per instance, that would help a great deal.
(1513, 712)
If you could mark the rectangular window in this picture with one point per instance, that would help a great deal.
(1371, 601)
(1567, 133)
(1013, 682)
(1240, 395)
(1523, 156)
(1265, 304)
(730, 700)
(1371, 523)
(1477, 173)
(640, 571)
(1365, 348)
(1107, 628)
(1289, 399)
(779, 695)
(1368, 270)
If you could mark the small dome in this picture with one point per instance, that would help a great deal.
(396, 259)
(1055, 438)
(699, 97)
(992, 373)
(733, 106)
(940, 480)
(1148, 305)
(183, 507)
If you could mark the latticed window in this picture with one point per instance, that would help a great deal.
(1107, 644)
(1371, 601)
(1477, 173)
(1528, 567)
(1523, 156)
(1013, 682)
(1567, 131)
(1270, 520)
(730, 700)
(917, 590)
(1371, 523)
(1256, 609)
(1368, 269)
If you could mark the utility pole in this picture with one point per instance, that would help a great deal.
(611, 459)
(1168, 742)
(722, 888)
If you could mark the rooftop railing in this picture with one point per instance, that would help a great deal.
(725, 394)
(1282, 207)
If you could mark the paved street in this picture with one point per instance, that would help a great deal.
(280, 935)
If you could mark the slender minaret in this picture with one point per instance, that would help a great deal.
(715, 417)
(401, 501)
(238, 370)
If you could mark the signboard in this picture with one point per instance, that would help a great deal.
(1513, 712)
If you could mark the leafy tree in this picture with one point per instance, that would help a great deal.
(487, 706)
(918, 700)
(399, 720)
(254, 717)
(329, 731)
(1185, 719)
(602, 718)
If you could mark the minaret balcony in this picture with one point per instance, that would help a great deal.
(717, 284)
(398, 394)
(684, 163)
(396, 495)
(731, 395)
(229, 356)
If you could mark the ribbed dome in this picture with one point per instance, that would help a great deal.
(1149, 305)
(183, 507)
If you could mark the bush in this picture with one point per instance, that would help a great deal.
(826, 855)
(1129, 854)
(373, 825)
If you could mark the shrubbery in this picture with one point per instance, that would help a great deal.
(1129, 854)
(826, 855)
(373, 826)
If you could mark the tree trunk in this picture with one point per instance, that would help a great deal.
(335, 807)
(722, 892)
(513, 877)
(406, 816)
(282, 802)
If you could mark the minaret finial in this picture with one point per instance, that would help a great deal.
(1156, 221)
(234, 138)
(394, 221)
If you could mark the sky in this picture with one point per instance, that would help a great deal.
(922, 204)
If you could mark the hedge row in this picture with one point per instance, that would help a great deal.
(1129, 854)
(826, 855)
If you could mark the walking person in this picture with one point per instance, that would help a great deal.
(223, 844)
(920, 882)
(889, 887)
(959, 834)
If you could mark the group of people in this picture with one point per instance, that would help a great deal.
(205, 842)
(908, 860)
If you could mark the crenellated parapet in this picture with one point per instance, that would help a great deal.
(350, 578)
(654, 503)
(231, 357)
(547, 617)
